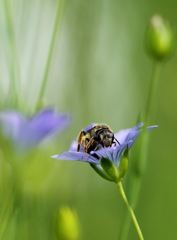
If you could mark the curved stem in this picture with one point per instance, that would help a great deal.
(57, 24)
(125, 226)
(132, 214)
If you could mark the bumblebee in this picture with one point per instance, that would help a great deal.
(95, 136)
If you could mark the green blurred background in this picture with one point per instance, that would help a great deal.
(100, 72)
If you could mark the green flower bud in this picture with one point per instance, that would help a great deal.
(114, 172)
(123, 166)
(68, 224)
(159, 38)
(98, 169)
(110, 169)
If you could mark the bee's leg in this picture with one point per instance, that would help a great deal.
(89, 144)
(96, 156)
(79, 140)
(116, 141)
(98, 147)
(78, 147)
(101, 144)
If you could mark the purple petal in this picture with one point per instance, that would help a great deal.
(128, 135)
(152, 127)
(42, 125)
(77, 156)
(11, 123)
(28, 132)
(48, 121)
(105, 153)
(73, 146)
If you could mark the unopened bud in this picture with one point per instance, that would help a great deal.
(159, 38)
(110, 169)
(68, 227)
(123, 165)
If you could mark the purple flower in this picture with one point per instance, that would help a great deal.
(27, 132)
(125, 137)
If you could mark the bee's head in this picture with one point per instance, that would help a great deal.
(106, 138)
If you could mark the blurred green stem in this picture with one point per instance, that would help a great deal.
(139, 166)
(57, 25)
(14, 61)
(152, 91)
(130, 210)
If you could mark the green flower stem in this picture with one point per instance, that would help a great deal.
(130, 210)
(140, 161)
(135, 188)
(152, 91)
(57, 25)
(14, 68)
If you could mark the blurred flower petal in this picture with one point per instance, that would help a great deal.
(28, 132)
(10, 123)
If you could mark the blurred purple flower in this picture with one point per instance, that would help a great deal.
(126, 138)
(27, 132)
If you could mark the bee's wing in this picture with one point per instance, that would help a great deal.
(89, 127)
